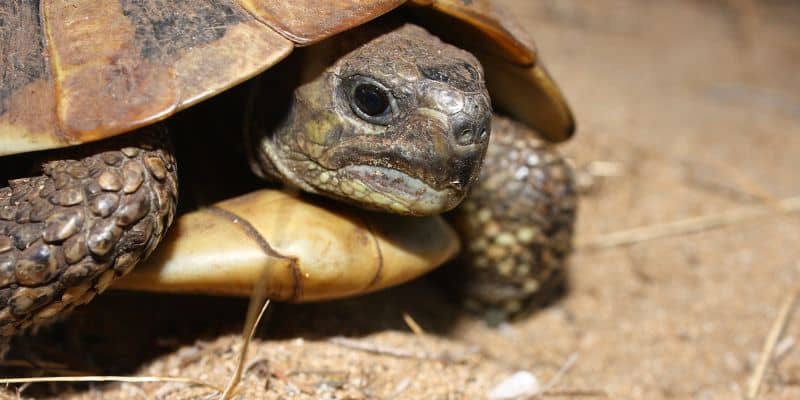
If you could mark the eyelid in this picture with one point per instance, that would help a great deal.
(354, 81)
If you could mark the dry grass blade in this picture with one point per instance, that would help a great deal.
(775, 333)
(31, 364)
(111, 378)
(688, 225)
(255, 310)
(258, 305)
(396, 352)
(375, 349)
(413, 325)
(576, 393)
(560, 373)
(42, 365)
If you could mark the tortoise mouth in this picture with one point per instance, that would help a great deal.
(387, 189)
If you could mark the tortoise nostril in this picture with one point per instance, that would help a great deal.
(466, 137)
(484, 135)
(469, 131)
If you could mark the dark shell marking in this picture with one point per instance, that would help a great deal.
(67, 234)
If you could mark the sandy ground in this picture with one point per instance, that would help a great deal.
(694, 109)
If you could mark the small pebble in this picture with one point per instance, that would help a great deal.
(520, 385)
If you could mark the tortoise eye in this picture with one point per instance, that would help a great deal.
(371, 100)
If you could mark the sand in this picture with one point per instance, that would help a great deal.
(685, 109)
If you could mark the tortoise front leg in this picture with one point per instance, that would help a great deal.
(516, 225)
(66, 234)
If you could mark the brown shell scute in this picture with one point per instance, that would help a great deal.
(308, 21)
(83, 70)
(96, 69)
(504, 37)
(92, 234)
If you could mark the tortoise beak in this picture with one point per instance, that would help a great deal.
(445, 152)
(424, 163)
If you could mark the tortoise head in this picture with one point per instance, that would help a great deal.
(400, 124)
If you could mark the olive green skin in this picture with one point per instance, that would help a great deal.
(417, 158)
(67, 234)
(516, 223)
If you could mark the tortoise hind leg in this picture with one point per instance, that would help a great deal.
(66, 234)
(516, 225)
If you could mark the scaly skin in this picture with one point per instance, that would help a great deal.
(67, 234)
(516, 225)
(419, 157)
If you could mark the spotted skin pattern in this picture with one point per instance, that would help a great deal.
(67, 234)
(516, 224)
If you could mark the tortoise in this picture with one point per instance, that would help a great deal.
(388, 110)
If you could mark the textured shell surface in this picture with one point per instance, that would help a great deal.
(60, 85)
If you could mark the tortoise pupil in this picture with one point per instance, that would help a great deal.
(371, 100)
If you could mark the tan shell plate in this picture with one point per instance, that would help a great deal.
(81, 70)
(309, 252)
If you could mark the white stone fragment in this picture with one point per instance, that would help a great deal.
(520, 385)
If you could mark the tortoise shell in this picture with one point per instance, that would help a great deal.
(78, 71)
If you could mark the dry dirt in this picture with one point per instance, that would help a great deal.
(692, 107)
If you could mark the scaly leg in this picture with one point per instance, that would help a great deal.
(67, 234)
(516, 225)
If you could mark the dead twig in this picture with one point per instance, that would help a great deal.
(240, 366)
(738, 187)
(560, 373)
(376, 349)
(400, 388)
(111, 378)
(255, 311)
(413, 325)
(576, 393)
(688, 225)
(393, 351)
(31, 364)
(53, 367)
(767, 351)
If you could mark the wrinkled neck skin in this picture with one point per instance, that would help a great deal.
(419, 158)
(286, 154)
